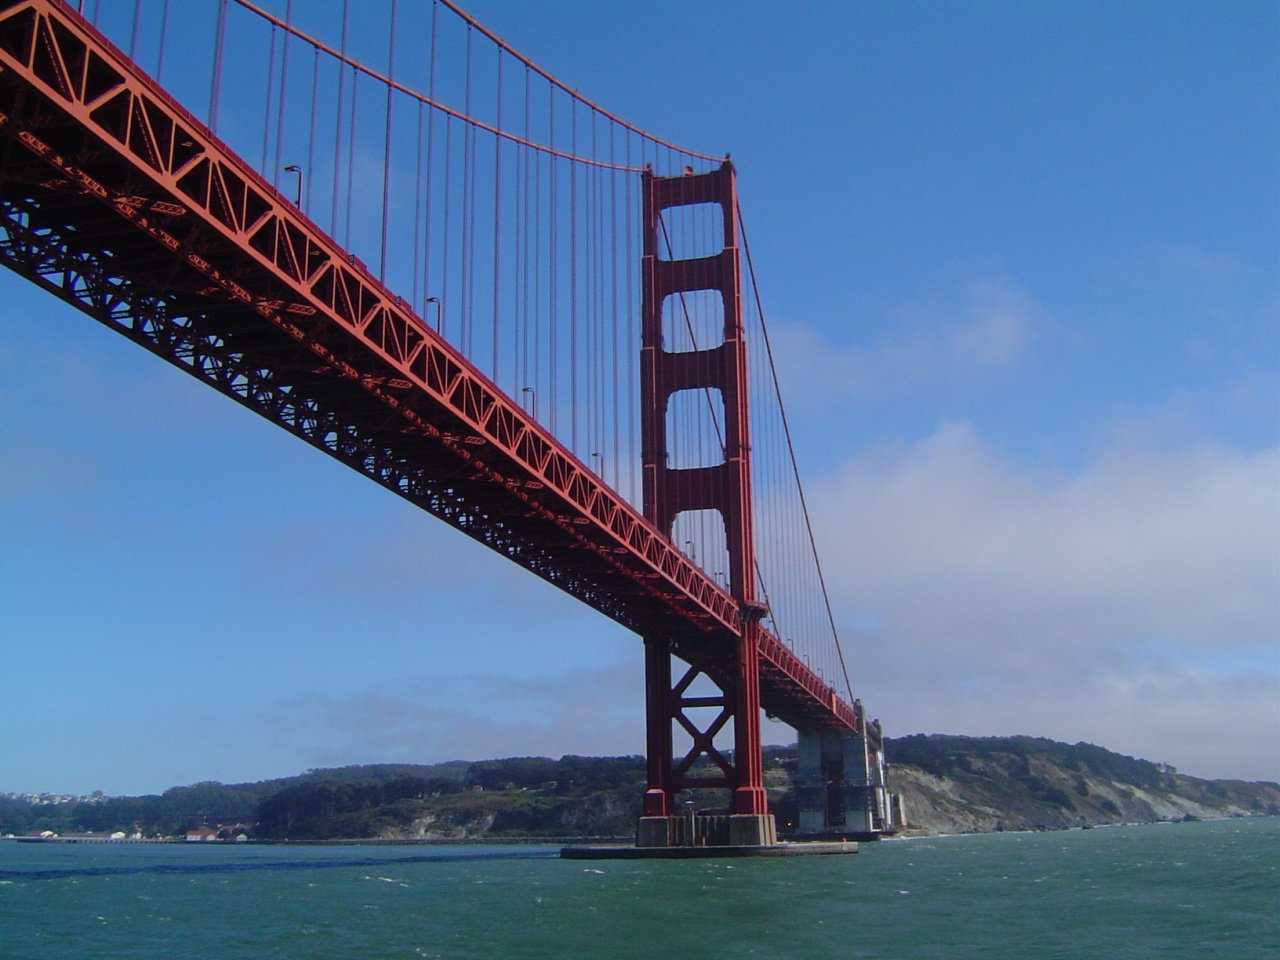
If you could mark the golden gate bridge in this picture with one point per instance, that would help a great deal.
(394, 236)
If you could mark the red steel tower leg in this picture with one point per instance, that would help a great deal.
(659, 798)
(724, 487)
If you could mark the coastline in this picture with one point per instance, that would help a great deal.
(905, 836)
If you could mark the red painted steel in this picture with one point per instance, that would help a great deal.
(724, 487)
(116, 199)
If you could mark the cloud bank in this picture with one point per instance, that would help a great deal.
(481, 716)
(1136, 604)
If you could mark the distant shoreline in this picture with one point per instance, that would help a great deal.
(354, 842)
(561, 841)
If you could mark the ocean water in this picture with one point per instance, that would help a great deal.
(1175, 890)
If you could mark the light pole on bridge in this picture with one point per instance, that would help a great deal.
(294, 168)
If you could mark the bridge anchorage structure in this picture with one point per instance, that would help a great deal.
(123, 203)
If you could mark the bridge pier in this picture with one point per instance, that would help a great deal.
(841, 787)
(707, 830)
(748, 822)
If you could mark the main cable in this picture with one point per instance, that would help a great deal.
(791, 450)
(358, 68)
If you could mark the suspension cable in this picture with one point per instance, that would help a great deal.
(791, 451)
(569, 90)
(475, 122)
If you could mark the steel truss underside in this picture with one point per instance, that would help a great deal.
(283, 382)
(117, 201)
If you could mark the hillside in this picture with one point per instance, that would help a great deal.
(949, 785)
(981, 785)
(515, 797)
(179, 809)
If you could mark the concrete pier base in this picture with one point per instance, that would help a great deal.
(752, 830)
(707, 830)
(705, 835)
(655, 832)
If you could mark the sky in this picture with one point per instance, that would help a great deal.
(1021, 265)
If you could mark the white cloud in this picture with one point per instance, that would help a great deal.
(1204, 723)
(587, 712)
(1159, 266)
(394, 559)
(1130, 594)
(1139, 545)
(992, 331)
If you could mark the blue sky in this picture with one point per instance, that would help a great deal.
(1022, 265)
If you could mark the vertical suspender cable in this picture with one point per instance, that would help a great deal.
(497, 220)
(791, 448)
(537, 267)
(311, 132)
(337, 125)
(573, 278)
(632, 348)
(418, 303)
(472, 142)
(263, 167)
(137, 23)
(215, 91)
(284, 89)
(448, 197)
(351, 155)
(386, 145)
(467, 199)
(614, 180)
(553, 212)
(530, 187)
(431, 145)
(164, 37)
(590, 371)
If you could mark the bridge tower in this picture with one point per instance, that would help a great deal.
(724, 487)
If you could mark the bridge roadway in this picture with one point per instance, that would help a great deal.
(114, 198)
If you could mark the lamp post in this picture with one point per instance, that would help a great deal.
(294, 168)
(533, 401)
(436, 301)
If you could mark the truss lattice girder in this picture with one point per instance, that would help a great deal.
(122, 203)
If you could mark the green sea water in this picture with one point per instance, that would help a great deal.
(1175, 890)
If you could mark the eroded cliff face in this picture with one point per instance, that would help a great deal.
(1009, 792)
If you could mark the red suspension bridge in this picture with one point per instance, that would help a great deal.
(412, 247)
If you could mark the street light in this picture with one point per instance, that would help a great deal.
(294, 168)
(533, 401)
(436, 301)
